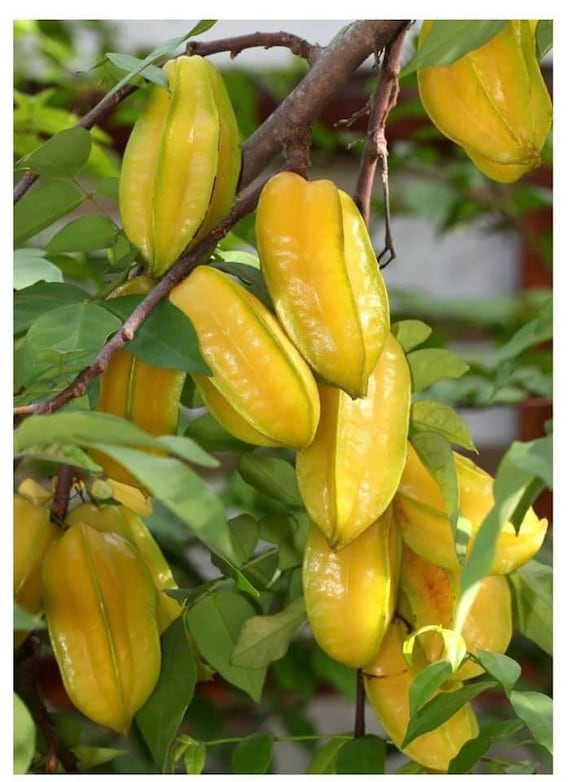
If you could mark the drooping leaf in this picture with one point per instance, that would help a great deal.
(31, 266)
(535, 710)
(503, 669)
(473, 750)
(188, 450)
(363, 755)
(61, 156)
(410, 333)
(253, 754)
(160, 717)
(431, 416)
(264, 639)
(272, 476)
(195, 758)
(450, 39)
(85, 234)
(428, 365)
(42, 206)
(532, 603)
(33, 301)
(427, 682)
(324, 759)
(215, 624)
(24, 736)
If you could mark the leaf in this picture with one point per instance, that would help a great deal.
(429, 365)
(324, 760)
(195, 758)
(440, 709)
(215, 623)
(427, 682)
(535, 710)
(264, 639)
(474, 749)
(90, 757)
(535, 458)
(428, 415)
(86, 234)
(503, 669)
(160, 717)
(253, 754)
(244, 532)
(290, 535)
(35, 300)
(42, 206)
(410, 333)
(208, 432)
(24, 736)
(66, 339)
(544, 35)
(536, 332)
(128, 63)
(166, 338)
(271, 476)
(450, 39)
(62, 156)
(30, 266)
(25, 621)
(247, 273)
(187, 449)
(363, 755)
(532, 603)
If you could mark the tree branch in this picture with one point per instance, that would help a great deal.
(239, 43)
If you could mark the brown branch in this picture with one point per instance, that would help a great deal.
(333, 68)
(239, 43)
(58, 510)
(376, 147)
(359, 720)
(99, 112)
(245, 204)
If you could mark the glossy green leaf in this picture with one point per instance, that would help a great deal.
(31, 266)
(62, 156)
(160, 717)
(473, 750)
(264, 639)
(271, 476)
(535, 710)
(531, 587)
(363, 755)
(427, 683)
(430, 416)
(253, 755)
(167, 337)
(324, 760)
(429, 365)
(65, 340)
(33, 301)
(450, 39)
(215, 624)
(128, 63)
(42, 206)
(195, 758)
(24, 731)
(86, 234)
(503, 669)
(410, 333)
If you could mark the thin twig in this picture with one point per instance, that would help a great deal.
(58, 510)
(359, 721)
(239, 43)
(376, 148)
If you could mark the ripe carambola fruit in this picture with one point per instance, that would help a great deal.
(350, 595)
(387, 682)
(322, 275)
(181, 164)
(131, 389)
(428, 595)
(33, 532)
(101, 610)
(493, 101)
(349, 474)
(124, 522)
(261, 390)
(421, 513)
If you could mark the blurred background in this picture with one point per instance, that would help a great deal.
(474, 261)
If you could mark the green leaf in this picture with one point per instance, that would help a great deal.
(215, 624)
(534, 333)
(31, 302)
(160, 717)
(128, 63)
(253, 754)
(410, 333)
(24, 736)
(324, 760)
(532, 603)
(429, 365)
(30, 266)
(42, 206)
(247, 273)
(535, 710)
(503, 669)
(450, 39)
(208, 432)
(440, 709)
(290, 535)
(86, 234)
(271, 476)
(166, 338)
(363, 755)
(427, 682)
(65, 340)
(62, 156)
(90, 757)
(544, 35)
(187, 449)
(25, 621)
(195, 758)
(431, 416)
(264, 639)
(244, 531)
(57, 453)
(473, 750)
(535, 458)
